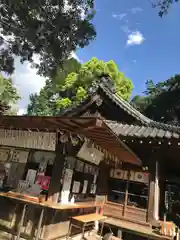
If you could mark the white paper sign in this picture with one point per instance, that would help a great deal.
(19, 156)
(93, 188)
(25, 139)
(31, 176)
(118, 174)
(4, 153)
(66, 185)
(141, 177)
(42, 166)
(131, 177)
(67, 179)
(65, 196)
(91, 154)
(85, 186)
(95, 178)
(23, 186)
(76, 187)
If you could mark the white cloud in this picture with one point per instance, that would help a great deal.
(74, 55)
(21, 111)
(27, 81)
(135, 38)
(119, 16)
(136, 10)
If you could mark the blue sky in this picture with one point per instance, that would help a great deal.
(157, 50)
(130, 32)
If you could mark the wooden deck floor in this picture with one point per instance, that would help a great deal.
(136, 229)
(125, 226)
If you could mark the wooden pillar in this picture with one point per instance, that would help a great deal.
(54, 188)
(153, 198)
(102, 181)
(150, 198)
(126, 195)
(156, 192)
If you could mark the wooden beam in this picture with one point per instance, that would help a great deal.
(84, 107)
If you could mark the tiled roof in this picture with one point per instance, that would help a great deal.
(141, 131)
(103, 84)
(126, 106)
(108, 90)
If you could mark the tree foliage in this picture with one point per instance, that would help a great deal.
(52, 29)
(140, 102)
(65, 89)
(164, 5)
(161, 101)
(8, 93)
(44, 103)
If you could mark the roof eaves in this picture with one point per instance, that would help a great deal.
(125, 106)
(141, 131)
(111, 93)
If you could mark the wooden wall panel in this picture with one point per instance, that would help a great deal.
(113, 210)
(133, 214)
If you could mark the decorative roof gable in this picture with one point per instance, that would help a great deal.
(106, 85)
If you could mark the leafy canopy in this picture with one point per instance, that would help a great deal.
(161, 101)
(65, 89)
(50, 28)
(44, 103)
(8, 93)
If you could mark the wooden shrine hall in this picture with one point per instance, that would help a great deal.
(156, 144)
(53, 168)
(101, 155)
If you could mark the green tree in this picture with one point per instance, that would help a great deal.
(140, 102)
(163, 102)
(8, 93)
(44, 102)
(73, 88)
(165, 106)
(52, 29)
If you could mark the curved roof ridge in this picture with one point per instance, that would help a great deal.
(138, 115)
(127, 106)
(107, 86)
